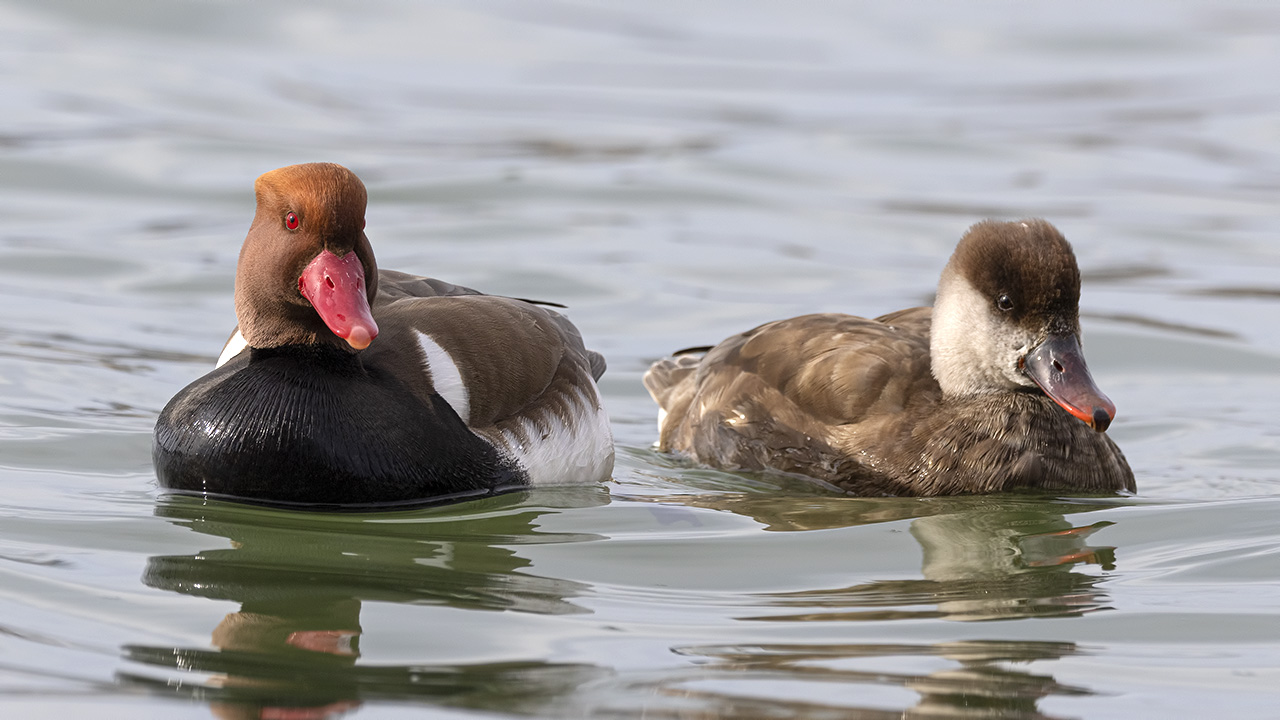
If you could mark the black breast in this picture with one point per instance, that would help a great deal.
(313, 426)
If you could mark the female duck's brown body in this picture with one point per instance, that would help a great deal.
(346, 385)
(985, 392)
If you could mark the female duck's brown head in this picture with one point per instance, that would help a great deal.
(1007, 317)
(306, 273)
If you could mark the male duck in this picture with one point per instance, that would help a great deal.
(346, 385)
(985, 392)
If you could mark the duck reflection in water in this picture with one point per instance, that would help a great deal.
(292, 650)
(982, 685)
(977, 566)
(983, 558)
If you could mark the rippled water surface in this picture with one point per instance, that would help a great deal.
(675, 173)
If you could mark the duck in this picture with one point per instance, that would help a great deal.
(344, 385)
(987, 391)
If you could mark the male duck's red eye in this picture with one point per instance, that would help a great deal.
(291, 221)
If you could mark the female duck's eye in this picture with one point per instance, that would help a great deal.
(291, 221)
(1005, 303)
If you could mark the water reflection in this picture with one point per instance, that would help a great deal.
(984, 558)
(974, 682)
(974, 568)
(293, 647)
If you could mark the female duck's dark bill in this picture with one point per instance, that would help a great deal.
(335, 287)
(1057, 366)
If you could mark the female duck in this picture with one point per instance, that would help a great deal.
(985, 392)
(344, 385)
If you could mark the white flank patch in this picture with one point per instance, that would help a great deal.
(232, 349)
(579, 452)
(445, 377)
(662, 419)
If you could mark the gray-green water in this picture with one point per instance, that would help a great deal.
(675, 172)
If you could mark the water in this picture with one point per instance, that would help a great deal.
(675, 172)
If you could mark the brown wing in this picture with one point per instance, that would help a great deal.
(916, 321)
(394, 285)
(783, 395)
(508, 352)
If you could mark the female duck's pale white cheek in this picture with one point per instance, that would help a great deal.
(1014, 364)
(1018, 377)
